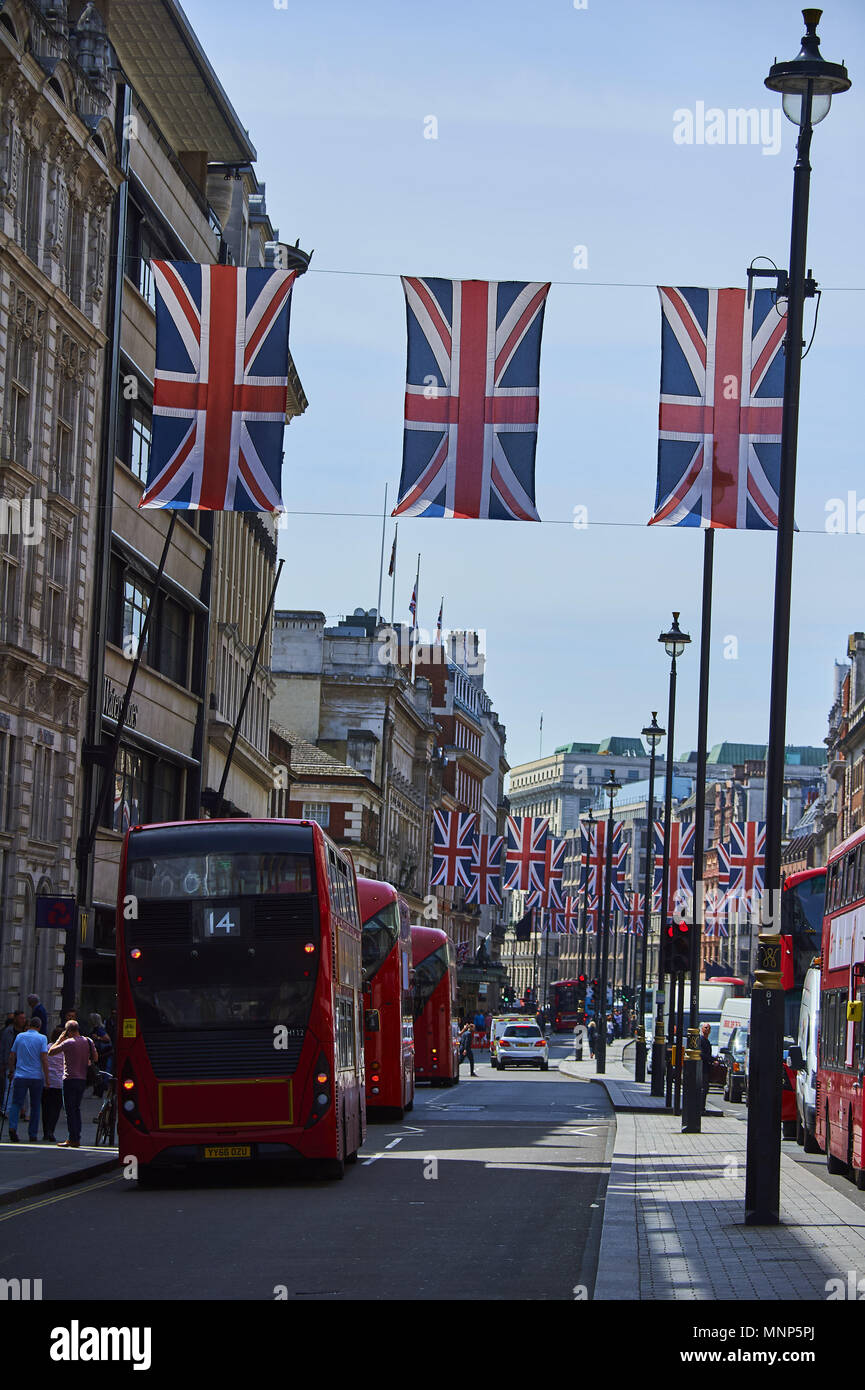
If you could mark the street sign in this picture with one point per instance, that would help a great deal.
(57, 912)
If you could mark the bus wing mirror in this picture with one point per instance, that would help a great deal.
(371, 1021)
(797, 1061)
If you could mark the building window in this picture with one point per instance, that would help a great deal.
(22, 371)
(56, 587)
(173, 641)
(167, 787)
(63, 464)
(135, 433)
(129, 790)
(7, 774)
(10, 562)
(317, 811)
(136, 598)
(43, 807)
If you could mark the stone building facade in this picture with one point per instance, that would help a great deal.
(58, 178)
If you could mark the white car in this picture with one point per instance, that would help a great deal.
(523, 1045)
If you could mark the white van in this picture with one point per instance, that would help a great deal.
(806, 1076)
(736, 1013)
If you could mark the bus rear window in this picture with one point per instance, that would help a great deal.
(218, 875)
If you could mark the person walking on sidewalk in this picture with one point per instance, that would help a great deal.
(78, 1053)
(706, 1057)
(39, 1011)
(52, 1096)
(466, 1037)
(593, 1036)
(29, 1071)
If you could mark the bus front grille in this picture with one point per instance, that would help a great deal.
(221, 1053)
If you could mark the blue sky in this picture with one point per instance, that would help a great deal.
(555, 130)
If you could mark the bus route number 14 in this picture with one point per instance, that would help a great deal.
(220, 926)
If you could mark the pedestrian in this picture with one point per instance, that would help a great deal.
(706, 1056)
(39, 1011)
(52, 1096)
(78, 1054)
(99, 1035)
(479, 1022)
(593, 1036)
(611, 1029)
(7, 1033)
(466, 1037)
(28, 1068)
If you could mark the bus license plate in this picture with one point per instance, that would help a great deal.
(228, 1151)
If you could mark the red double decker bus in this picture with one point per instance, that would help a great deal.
(388, 1019)
(567, 1001)
(803, 900)
(436, 1034)
(240, 1032)
(840, 1112)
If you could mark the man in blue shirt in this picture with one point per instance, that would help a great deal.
(28, 1066)
(39, 1011)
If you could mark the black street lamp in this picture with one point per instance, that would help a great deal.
(675, 641)
(807, 84)
(653, 733)
(610, 788)
(583, 966)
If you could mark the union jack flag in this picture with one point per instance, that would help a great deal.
(635, 920)
(595, 862)
(568, 920)
(526, 853)
(463, 951)
(412, 605)
(551, 893)
(220, 387)
(471, 403)
(715, 914)
(681, 881)
(453, 847)
(486, 869)
(593, 913)
(722, 389)
(742, 859)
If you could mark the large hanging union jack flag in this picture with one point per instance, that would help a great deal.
(568, 920)
(722, 389)
(635, 916)
(220, 387)
(681, 880)
(551, 893)
(593, 914)
(471, 403)
(715, 914)
(453, 848)
(486, 869)
(526, 852)
(595, 862)
(742, 860)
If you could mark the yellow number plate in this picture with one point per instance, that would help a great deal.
(228, 1151)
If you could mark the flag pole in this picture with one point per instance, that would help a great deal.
(393, 585)
(381, 560)
(252, 665)
(414, 629)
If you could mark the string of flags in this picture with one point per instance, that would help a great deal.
(472, 397)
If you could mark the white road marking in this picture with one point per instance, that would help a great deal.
(393, 1143)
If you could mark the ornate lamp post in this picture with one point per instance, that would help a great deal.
(653, 733)
(807, 84)
(610, 788)
(583, 943)
(675, 641)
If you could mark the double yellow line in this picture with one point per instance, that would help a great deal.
(60, 1197)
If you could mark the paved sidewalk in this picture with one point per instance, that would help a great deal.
(28, 1169)
(618, 1081)
(674, 1211)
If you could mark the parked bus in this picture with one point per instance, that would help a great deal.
(567, 1004)
(840, 1119)
(802, 905)
(388, 1016)
(436, 1032)
(238, 996)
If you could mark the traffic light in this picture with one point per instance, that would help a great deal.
(680, 947)
(581, 979)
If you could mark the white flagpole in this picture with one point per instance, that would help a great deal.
(416, 607)
(393, 584)
(381, 560)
